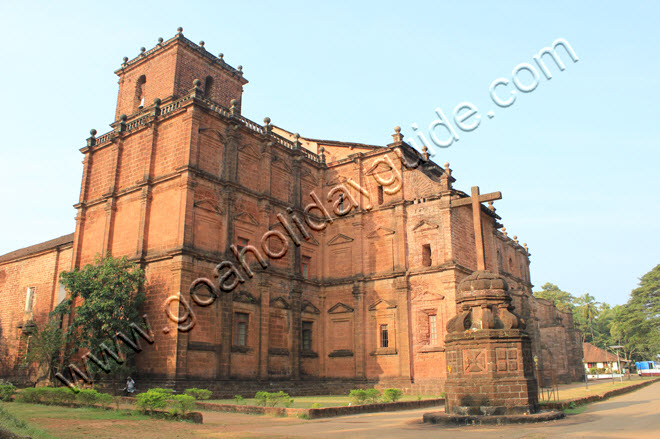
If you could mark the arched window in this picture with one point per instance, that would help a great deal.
(139, 92)
(510, 265)
(208, 86)
(499, 261)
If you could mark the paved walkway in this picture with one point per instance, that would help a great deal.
(634, 415)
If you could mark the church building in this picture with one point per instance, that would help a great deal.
(344, 258)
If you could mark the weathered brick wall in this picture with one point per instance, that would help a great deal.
(41, 271)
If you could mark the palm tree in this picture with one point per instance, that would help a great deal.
(589, 310)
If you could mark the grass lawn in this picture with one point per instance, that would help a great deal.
(576, 390)
(305, 402)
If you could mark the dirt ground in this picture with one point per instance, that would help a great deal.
(632, 415)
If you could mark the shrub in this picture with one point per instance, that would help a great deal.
(358, 396)
(166, 392)
(198, 393)
(261, 398)
(272, 399)
(442, 395)
(182, 404)
(48, 395)
(316, 405)
(105, 400)
(303, 416)
(30, 396)
(392, 395)
(239, 399)
(151, 400)
(373, 395)
(288, 403)
(87, 397)
(7, 391)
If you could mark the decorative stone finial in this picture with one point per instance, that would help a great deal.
(504, 231)
(160, 40)
(397, 136)
(123, 118)
(221, 55)
(92, 140)
(157, 101)
(515, 238)
(92, 132)
(296, 136)
(525, 245)
(267, 120)
(425, 152)
(235, 111)
(179, 30)
(491, 207)
(296, 142)
(201, 43)
(125, 59)
(197, 83)
(142, 50)
(240, 68)
(267, 127)
(322, 154)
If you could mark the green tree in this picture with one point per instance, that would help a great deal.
(107, 297)
(636, 325)
(588, 309)
(561, 299)
(44, 348)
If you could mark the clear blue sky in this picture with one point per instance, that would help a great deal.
(576, 160)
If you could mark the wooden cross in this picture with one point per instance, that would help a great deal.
(475, 200)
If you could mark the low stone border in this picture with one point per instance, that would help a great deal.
(442, 418)
(325, 412)
(593, 398)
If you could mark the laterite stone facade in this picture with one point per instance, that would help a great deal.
(376, 240)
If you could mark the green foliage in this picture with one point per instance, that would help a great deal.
(268, 399)
(105, 400)
(373, 395)
(239, 399)
(303, 416)
(442, 395)
(87, 397)
(561, 299)
(199, 394)
(47, 395)
(7, 391)
(392, 395)
(358, 396)
(45, 346)
(316, 405)
(111, 293)
(166, 392)
(182, 404)
(151, 400)
(288, 402)
(361, 396)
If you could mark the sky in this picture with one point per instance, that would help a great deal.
(575, 159)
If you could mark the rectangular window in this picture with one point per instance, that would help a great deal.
(241, 328)
(426, 255)
(307, 336)
(29, 299)
(384, 336)
(305, 266)
(433, 332)
(61, 294)
(242, 243)
(380, 195)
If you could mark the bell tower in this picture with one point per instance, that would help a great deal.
(167, 71)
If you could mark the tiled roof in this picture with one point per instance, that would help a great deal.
(27, 251)
(594, 354)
